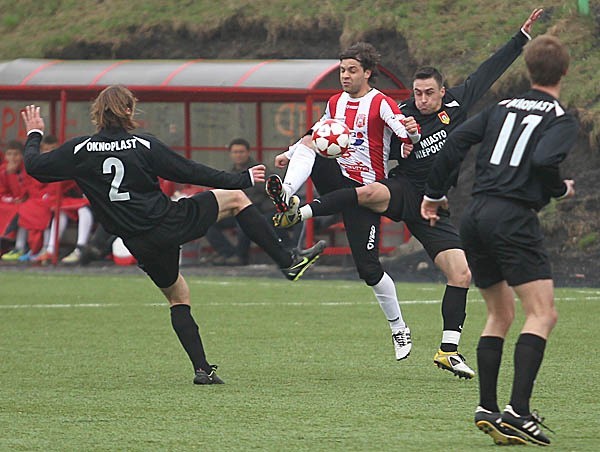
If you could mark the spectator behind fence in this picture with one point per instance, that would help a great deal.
(226, 252)
(13, 192)
(39, 212)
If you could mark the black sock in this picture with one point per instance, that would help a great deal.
(258, 229)
(454, 306)
(189, 336)
(489, 356)
(334, 202)
(529, 353)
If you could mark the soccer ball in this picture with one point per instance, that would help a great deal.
(331, 138)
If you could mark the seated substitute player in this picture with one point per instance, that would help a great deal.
(118, 172)
(373, 118)
(438, 111)
(523, 140)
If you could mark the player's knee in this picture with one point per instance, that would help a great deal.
(239, 201)
(455, 269)
(370, 194)
(502, 319)
(371, 276)
(460, 277)
(551, 317)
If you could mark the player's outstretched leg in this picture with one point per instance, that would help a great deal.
(293, 265)
(491, 423)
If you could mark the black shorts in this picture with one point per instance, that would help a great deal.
(503, 241)
(362, 225)
(157, 251)
(405, 205)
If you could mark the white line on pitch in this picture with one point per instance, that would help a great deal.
(251, 303)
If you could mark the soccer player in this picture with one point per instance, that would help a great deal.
(438, 111)
(373, 118)
(118, 171)
(523, 140)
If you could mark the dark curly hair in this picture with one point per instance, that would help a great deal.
(366, 55)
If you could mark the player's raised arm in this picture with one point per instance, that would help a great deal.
(48, 167)
(533, 17)
(491, 69)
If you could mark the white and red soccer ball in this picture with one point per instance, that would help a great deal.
(331, 138)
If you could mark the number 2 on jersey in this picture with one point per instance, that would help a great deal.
(107, 168)
(531, 122)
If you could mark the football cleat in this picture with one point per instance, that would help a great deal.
(12, 256)
(204, 378)
(274, 188)
(453, 362)
(43, 258)
(402, 343)
(490, 422)
(291, 217)
(302, 260)
(72, 258)
(525, 426)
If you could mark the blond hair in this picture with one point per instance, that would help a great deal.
(114, 108)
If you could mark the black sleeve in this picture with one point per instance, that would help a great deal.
(53, 166)
(168, 164)
(489, 71)
(444, 171)
(551, 150)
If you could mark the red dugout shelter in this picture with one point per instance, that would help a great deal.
(195, 106)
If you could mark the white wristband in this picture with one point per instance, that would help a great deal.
(427, 198)
(36, 131)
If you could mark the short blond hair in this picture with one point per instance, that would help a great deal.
(113, 108)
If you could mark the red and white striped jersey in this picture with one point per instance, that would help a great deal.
(371, 119)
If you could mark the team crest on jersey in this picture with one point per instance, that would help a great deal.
(444, 117)
(361, 120)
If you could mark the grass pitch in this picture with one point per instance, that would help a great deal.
(91, 363)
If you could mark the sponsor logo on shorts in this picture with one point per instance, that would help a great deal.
(371, 241)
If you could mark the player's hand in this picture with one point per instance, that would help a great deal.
(535, 15)
(281, 160)
(429, 210)
(32, 119)
(406, 149)
(257, 173)
(570, 183)
(410, 124)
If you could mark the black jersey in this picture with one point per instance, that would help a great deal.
(523, 139)
(118, 171)
(456, 103)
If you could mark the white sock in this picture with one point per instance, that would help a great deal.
(61, 230)
(450, 337)
(46, 239)
(21, 239)
(306, 212)
(299, 168)
(84, 227)
(385, 292)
